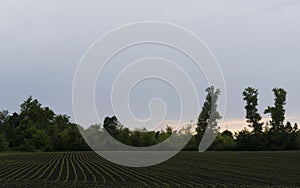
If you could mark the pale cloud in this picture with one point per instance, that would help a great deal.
(253, 40)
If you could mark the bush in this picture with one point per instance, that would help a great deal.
(4, 144)
(27, 147)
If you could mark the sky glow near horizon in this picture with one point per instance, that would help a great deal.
(256, 44)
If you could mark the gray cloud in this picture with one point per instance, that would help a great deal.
(256, 43)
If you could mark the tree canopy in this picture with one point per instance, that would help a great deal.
(38, 128)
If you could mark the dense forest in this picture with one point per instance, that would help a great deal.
(37, 128)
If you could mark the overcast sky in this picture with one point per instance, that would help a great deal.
(255, 42)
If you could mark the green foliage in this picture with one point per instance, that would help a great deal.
(248, 141)
(277, 111)
(3, 116)
(137, 137)
(3, 143)
(279, 136)
(223, 142)
(38, 128)
(296, 142)
(209, 115)
(252, 115)
(111, 124)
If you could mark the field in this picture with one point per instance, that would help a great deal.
(187, 169)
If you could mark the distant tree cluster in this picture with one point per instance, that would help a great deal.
(37, 128)
(276, 134)
(137, 137)
(207, 124)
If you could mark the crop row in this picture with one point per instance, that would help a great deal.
(190, 169)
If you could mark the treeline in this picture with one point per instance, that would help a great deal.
(142, 138)
(37, 128)
(99, 140)
(273, 135)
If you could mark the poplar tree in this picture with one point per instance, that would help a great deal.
(252, 115)
(209, 114)
(277, 111)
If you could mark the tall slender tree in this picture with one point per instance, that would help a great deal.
(209, 115)
(277, 111)
(252, 115)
